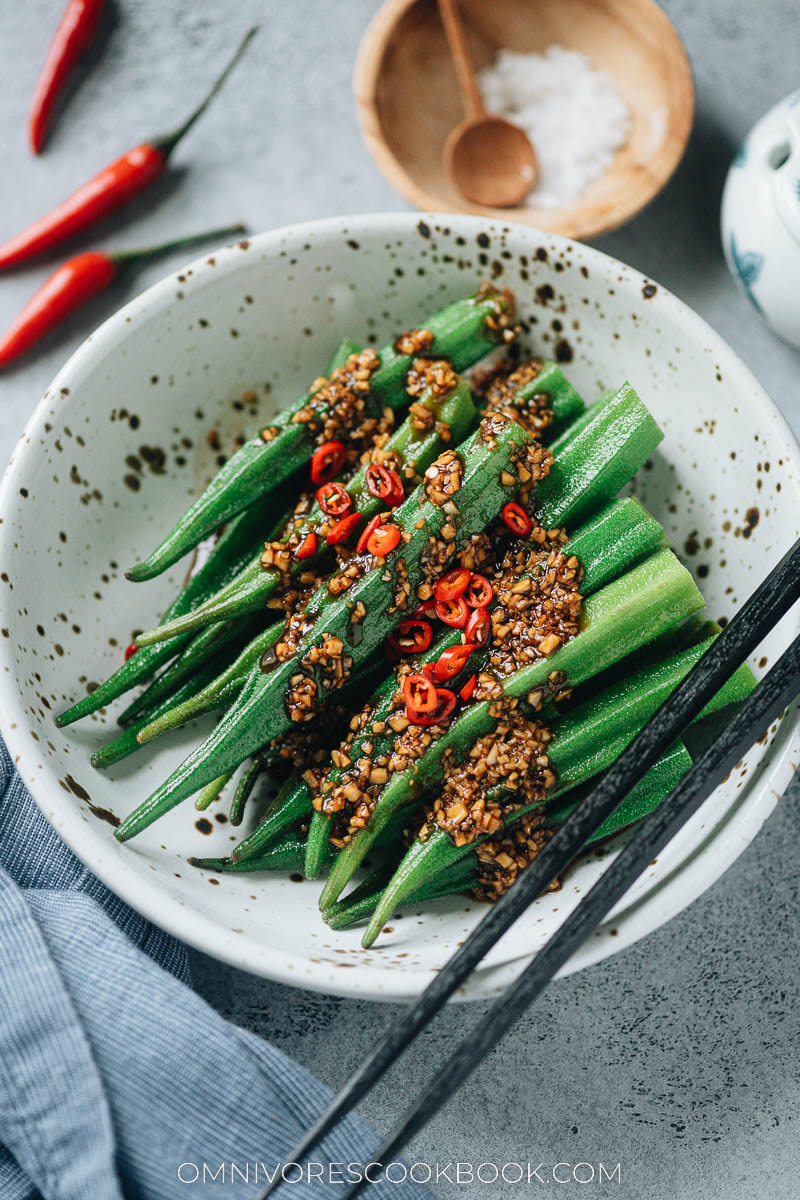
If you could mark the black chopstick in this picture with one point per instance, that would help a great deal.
(770, 601)
(764, 704)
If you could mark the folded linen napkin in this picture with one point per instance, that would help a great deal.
(115, 1078)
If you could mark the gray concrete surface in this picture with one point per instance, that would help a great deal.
(679, 1058)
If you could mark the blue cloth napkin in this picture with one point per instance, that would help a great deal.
(116, 1080)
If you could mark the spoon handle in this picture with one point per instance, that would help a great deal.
(462, 58)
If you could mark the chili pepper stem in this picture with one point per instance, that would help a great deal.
(124, 258)
(168, 142)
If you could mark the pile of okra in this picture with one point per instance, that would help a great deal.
(423, 610)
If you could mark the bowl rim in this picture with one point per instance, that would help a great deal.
(642, 915)
(366, 71)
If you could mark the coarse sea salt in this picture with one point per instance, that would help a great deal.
(571, 111)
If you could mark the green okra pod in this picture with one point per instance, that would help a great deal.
(254, 585)
(462, 333)
(268, 702)
(643, 799)
(286, 855)
(463, 875)
(621, 535)
(126, 742)
(244, 788)
(211, 792)
(618, 437)
(626, 614)
(218, 692)
(230, 636)
(587, 740)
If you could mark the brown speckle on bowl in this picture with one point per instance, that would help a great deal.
(751, 518)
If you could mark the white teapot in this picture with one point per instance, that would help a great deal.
(761, 218)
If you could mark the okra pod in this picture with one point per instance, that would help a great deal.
(462, 875)
(617, 439)
(126, 742)
(218, 692)
(615, 540)
(231, 636)
(643, 799)
(566, 404)
(244, 787)
(626, 614)
(211, 792)
(587, 740)
(462, 333)
(270, 701)
(254, 585)
(286, 855)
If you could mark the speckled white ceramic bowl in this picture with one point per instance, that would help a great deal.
(117, 447)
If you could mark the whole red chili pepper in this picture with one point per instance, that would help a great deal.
(112, 188)
(75, 282)
(72, 38)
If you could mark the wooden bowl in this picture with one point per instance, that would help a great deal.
(408, 98)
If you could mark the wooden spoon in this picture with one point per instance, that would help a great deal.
(490, 161)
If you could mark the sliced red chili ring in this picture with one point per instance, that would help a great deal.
(454, 583)
(327, 461)
(130, 650)
(411, 636)
(308, 546)
(398, 493)
(468, 688)
(428, 670)
(479, 593)
(446, 702)
(453, 612)
(342, 530)
(383, 540)
(517, 519)
(379, 480)
(479, 627)
(334, 500)
(419, 694)
(451, 662)
(367, 532)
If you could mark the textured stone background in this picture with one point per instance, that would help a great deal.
(678, 1058)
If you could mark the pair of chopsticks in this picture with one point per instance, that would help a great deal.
(771, 600)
